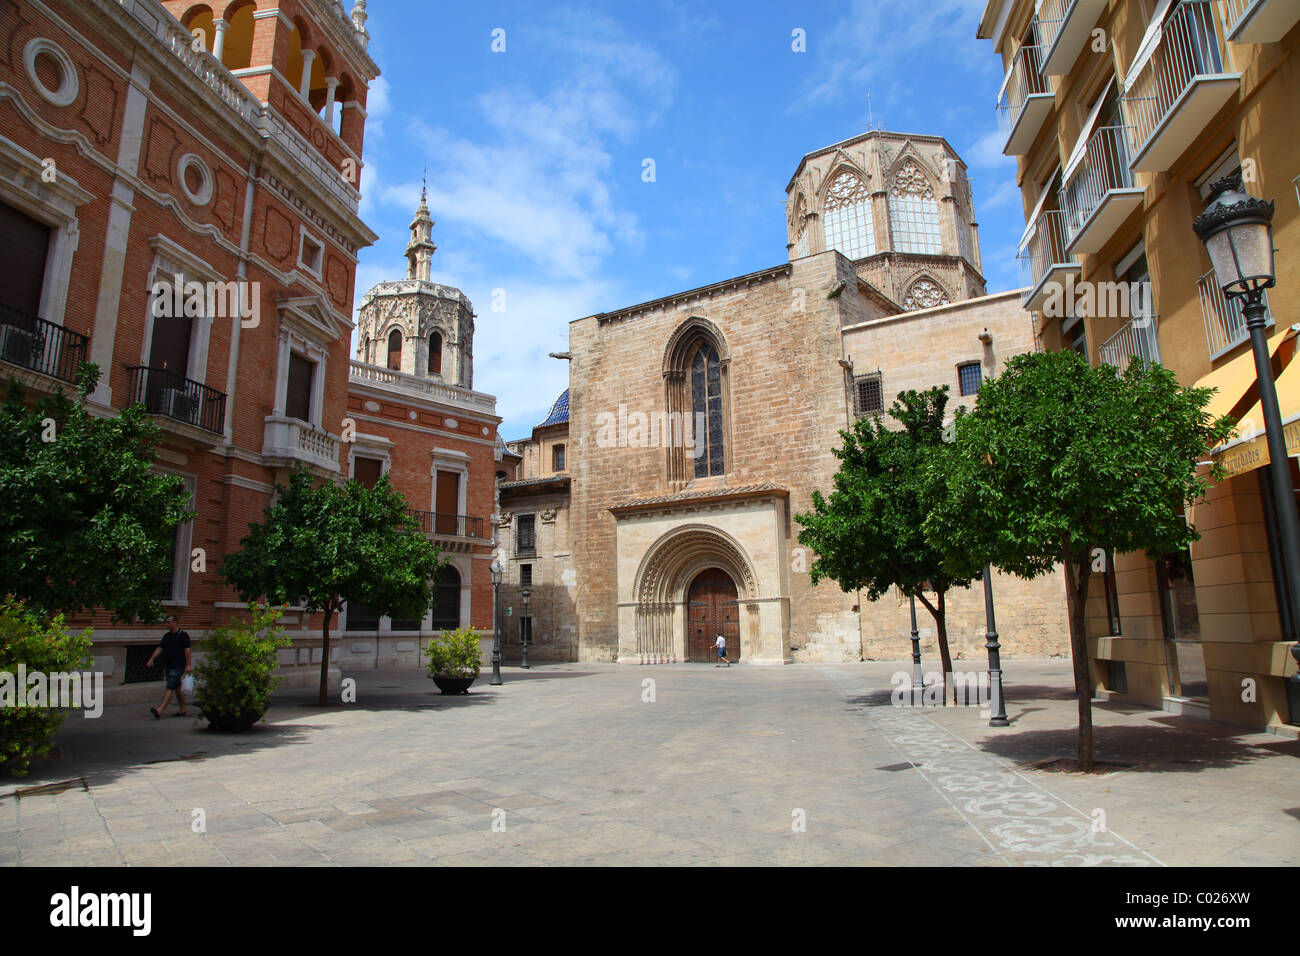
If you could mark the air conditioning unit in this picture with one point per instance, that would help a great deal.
(16, 345)
(174, 403)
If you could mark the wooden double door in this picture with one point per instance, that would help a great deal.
(712, 609)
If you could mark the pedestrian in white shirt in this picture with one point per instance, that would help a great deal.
(721, 645)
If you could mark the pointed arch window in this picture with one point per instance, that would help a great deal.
(435, 353)
(706, 404)
(395, 350)
(849, 225)
(913, 212)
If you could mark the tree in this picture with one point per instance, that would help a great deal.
(1060, 459)
(869, 534)
(332, 544)
(86, 522)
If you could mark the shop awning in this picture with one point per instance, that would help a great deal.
(1249, 450)
(1235, 381)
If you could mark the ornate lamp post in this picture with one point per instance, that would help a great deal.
(496, 620)
(998, 704)
(918, 678)
(526, 630)
(1237, 230)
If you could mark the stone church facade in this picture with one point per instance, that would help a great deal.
(700, 423)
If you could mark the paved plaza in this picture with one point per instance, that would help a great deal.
(589, 764)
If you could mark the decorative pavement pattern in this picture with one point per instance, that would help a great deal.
(1022, 823)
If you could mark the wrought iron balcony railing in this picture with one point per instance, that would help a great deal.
(1225, 326)
(1062, 27)
(1045, 248)
(1024, 101)
(163, 392)
(1103, 169)
(461, 526)
(32, 343)
(1179, 87)
(1136, 337)
(1258, 21)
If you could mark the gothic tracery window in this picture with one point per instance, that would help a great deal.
(706, 404)
(924, 294)
(913, 212)
(848, 217)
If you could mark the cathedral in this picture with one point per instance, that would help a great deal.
(654, 508)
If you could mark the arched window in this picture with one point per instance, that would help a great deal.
(706, 404)
(365, 349)
(395, 350)
(849, 226)
(435, 353)
(696, 395)
(446, 608)
(913, 212)
(237, 52)
(924, 294)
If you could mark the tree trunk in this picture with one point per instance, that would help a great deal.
(940, 615)
(325, 657)
(1076, 589)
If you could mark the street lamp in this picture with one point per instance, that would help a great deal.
(998, 704)
(918, 678)
(526, 630)
(1237, 230)
(496, 620)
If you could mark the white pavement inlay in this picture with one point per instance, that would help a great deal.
(1022, 823)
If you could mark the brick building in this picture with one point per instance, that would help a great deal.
(700, 423)
(147, 145)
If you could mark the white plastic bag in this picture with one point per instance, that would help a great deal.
(187, 684)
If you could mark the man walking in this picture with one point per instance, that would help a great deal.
(721, 645)
(175, 650)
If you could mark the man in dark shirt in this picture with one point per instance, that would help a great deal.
(175, 650)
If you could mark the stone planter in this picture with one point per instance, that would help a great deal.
(231, 723)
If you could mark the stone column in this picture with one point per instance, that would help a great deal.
(219, 42)
(331, 84)
(304, 86)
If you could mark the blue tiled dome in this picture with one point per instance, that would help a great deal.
(559, 411)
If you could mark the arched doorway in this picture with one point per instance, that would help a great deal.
(712, 609)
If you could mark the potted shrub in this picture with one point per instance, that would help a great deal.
(240, 669)
(454, 660)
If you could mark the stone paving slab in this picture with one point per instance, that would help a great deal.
(567, 764)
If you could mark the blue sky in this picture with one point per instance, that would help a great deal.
(535, 155)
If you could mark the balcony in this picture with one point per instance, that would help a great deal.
(1225, 326)
(1258, 21)
(1064, 27)
(1099, 194)
(1135, 339)
(1044, 263)
(1178, 89)
(288, 442)
(39, 346)
(186, 409)
(1024, 102)
(449, 525)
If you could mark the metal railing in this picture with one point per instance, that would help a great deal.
(163, 392)
(1104, 167)
(1045, 249)
(1225, 326)
(32, 343)
(1135, 338)
(1233, 11)
(1047, 24)
(461, 526)
(1025, 81)
(1188, 48)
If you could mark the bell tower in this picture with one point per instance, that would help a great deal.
(420, 250)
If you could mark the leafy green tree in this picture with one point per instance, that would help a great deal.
(868, 535)
(44, 646)
(331, 544)
(1060, 459)
(86, 523)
